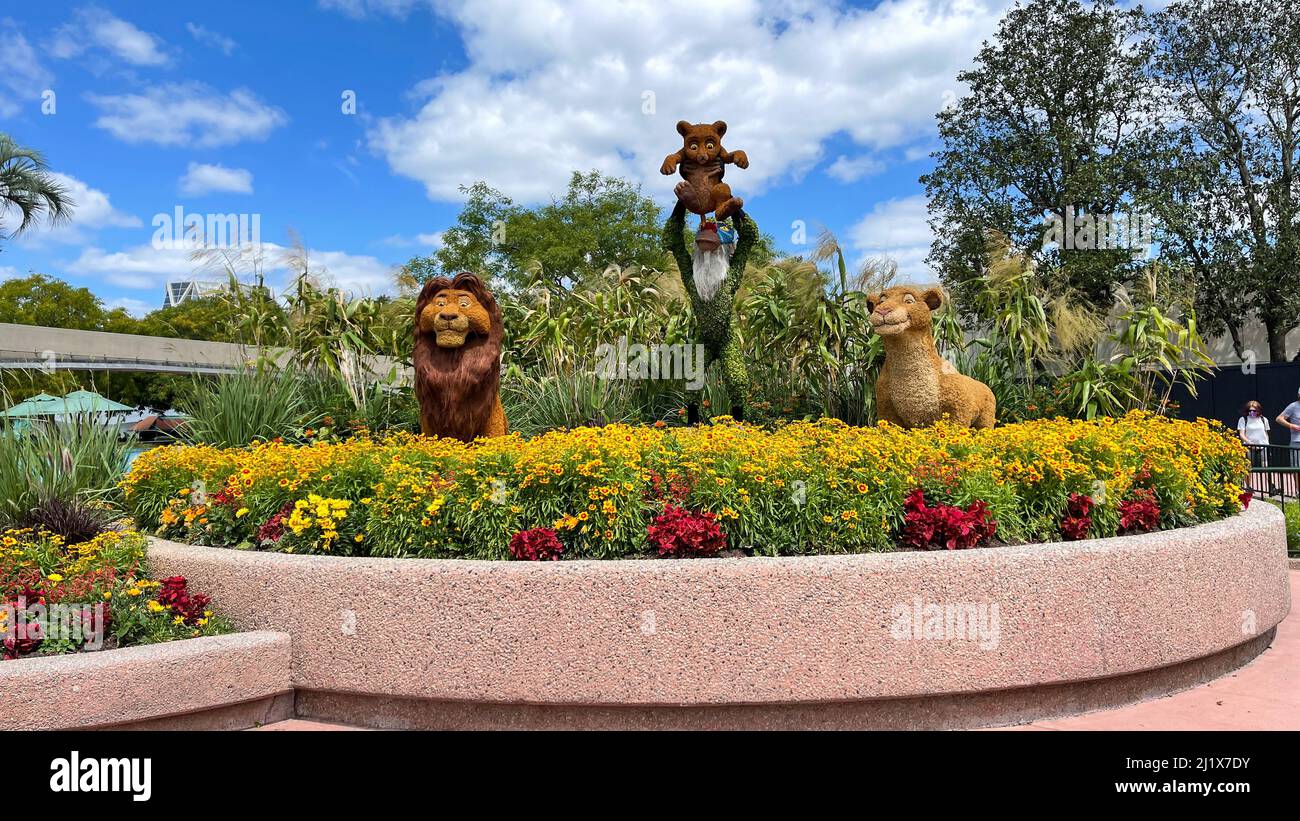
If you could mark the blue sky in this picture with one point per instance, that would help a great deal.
(237, 107)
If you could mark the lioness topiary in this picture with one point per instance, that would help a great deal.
(916, 386)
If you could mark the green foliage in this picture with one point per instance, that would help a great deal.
(236, 409)
(74, 460)
(1226, 198)
(27, 187)
(599, 221)
(38, 299)
(536, 404)
(1057, 117)
(1292, 511)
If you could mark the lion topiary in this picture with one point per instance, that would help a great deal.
(457, 357)
(916, 386)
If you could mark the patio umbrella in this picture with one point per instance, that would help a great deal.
(91, 402)
(42, 404)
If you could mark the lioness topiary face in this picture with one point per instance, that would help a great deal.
(902, 308)
(452, 316)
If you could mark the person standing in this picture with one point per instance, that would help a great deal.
(1252, 427)
(1290, 418)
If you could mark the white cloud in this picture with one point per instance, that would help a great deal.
(93, 27)
(144, 267)
(8, 272)
(135, 307)
(360, 8)
(561, 87)
(91, 207)
(187, 114)
(432, 241)
(202, 178)
(852, 169)
(897, 229)
(22, 77)
(215, 39)
(91, 211)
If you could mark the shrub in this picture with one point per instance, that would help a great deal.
(680, 533)
(944, 526)
(803, 487)
(538, 544)
(236, 409)
(1139, 514)
(75, 520)
(71, 461)
(1078, 517)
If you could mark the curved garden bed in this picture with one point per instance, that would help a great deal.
(798, 641)
(630, 492)
(215, 682)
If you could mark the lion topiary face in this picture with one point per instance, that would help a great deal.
(452, 316)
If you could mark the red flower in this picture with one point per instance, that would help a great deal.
(538, 544)
(1078, 517)
(1245, 497)
(1140, 513)
(944, 526)
(678, 533)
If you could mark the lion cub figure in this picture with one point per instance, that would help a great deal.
(703, 162)
(457, 358)
(916, 386)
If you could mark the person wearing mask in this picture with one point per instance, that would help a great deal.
(1252, 427)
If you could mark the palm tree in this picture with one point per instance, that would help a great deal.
(26, 185)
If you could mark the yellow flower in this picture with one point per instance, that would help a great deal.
(241, 513)
(155, 607)
(55, 577)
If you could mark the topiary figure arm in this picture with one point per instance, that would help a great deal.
(674, 241)
(746, 236)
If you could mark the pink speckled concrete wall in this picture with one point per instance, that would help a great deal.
(753, 631)
(170, 681)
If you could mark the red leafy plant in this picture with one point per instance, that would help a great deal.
(944, 526)
(1078, 517)
(1140, 513)
(536, 545)
(189, 606)
(273, 528)
(682, 533)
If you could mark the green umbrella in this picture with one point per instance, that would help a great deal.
(91, 402)
(42, 404)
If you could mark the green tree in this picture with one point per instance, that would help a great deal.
(1059, 115)
(26, 185)
(600, 221)
(1229, 197)
(43, 300)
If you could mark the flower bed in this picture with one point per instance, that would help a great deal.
(57, 598)
(619, 491)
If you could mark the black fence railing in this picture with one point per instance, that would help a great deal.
(1274, 472)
